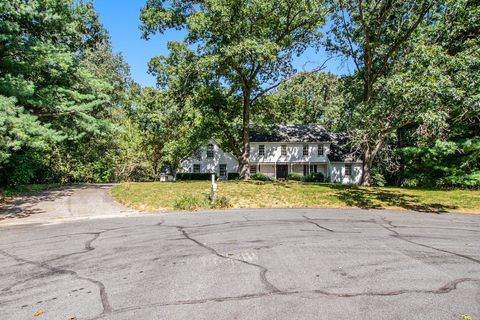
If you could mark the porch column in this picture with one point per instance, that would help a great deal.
(275, 170)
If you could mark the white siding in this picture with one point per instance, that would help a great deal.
(294, 152)
(337, 172)
(211, 165)
(333, 171)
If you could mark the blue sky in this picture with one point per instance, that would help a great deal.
(121, 19)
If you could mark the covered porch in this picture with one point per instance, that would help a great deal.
(280, 170)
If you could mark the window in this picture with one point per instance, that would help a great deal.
(196, 168)
(210, 151)
(261, 150)
(305, 149)
(305, 169)
(253, 169)
(348, 169)
(321, 150)
(313, 168)
(284, 150)
(223, 170)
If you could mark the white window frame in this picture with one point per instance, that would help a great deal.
(321, 150)
(305, 150)
(261, 149)
(197, 165)
(348, 169)
(224, 166)
(210, 151)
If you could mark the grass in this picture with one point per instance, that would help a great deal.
(150, 196)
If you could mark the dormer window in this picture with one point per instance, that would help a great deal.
(305, 149)
(284, 149)
(261, 150)
(321, 150)
(210, 151)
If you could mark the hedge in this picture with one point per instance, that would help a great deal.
(194, 176)
(233, 176)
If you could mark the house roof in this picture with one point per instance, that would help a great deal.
(290, 133)
(340, 148)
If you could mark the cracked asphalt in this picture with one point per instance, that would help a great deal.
(238, 264)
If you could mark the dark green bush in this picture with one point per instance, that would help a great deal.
(294, 176)
(193, 176)
(260, 177)
(314, 177)
(233, 176)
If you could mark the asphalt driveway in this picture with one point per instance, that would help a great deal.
(240, 264)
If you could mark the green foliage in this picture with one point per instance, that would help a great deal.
(261, 177)
(233, 176)
(444, 164)
(314, 177)
(294, 176)
(222, 202)
(190, 203)
(234, 52)
(59, 85)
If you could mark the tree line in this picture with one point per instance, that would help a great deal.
(70, 112)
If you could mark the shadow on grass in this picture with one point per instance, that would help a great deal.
(373, 198)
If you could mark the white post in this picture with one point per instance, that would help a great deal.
(213, 189)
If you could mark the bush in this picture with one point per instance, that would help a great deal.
(260, 177)
(294, 176)
(378, 179)
(233, 176)
(190, 203)
(314, 177)
(222, 202)
(193, 176)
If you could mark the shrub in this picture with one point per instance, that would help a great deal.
(233, 176)
(261, 177)
(410, 183)
(314, 177)
(193, 176)
(378, 179)
(222, 202)
(190, 203)
(294, 176)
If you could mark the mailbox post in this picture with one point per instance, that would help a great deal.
(213, 190)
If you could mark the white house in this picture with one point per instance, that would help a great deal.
(301, 149)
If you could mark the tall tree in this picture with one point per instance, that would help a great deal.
(59, 82)
(374, 34)
(246, 47)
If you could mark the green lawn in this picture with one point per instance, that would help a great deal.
(149, 196)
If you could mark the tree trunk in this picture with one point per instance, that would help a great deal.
(366, 168)
(401, 169)
(244, 160)
(368, 156)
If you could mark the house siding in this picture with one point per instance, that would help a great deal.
(210, 165)
(266, 164)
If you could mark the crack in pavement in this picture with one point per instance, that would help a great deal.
(270, 287)
(57, 271)
(310, 220)
(447, 288)
(397, 235)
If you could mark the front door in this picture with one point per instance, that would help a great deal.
(282, 171)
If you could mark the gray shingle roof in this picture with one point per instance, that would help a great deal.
(340, 149)
(290, 133)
